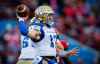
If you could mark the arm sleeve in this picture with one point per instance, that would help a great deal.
(23, 28)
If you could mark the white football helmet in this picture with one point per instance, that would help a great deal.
(44, 9)
(44, 13)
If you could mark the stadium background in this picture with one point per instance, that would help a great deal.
(77, 20)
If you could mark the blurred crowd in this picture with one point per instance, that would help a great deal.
(78, 19)
(81, 21)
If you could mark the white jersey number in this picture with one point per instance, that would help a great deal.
(26, 42)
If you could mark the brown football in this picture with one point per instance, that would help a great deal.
(22, 10)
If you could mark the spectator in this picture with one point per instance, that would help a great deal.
(12, 39)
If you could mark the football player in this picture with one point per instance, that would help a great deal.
(43, 34)
(28, 53)
(46, 44)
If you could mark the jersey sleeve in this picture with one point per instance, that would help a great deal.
(23, 28)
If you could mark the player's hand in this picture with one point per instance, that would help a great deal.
(73, 52)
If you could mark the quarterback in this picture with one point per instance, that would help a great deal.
(41, 32)
(28, 53)
(42, 35)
